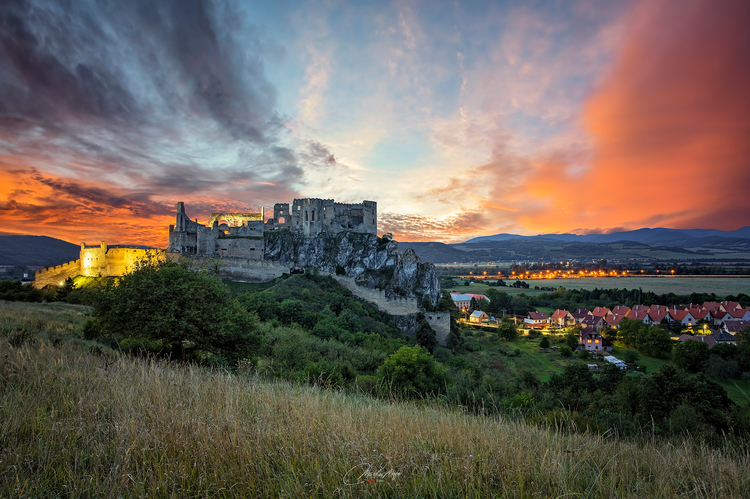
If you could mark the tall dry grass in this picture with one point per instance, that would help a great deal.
(79, 424)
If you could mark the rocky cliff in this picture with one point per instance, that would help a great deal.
(372, 261)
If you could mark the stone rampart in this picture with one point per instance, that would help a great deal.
(57, 274)
(397, 306)
(441, 323)
(242, 269)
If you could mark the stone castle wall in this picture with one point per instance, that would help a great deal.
(96, 261)
(394, 306)
(55, 276)
(441, 323)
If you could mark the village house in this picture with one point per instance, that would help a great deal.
(580, 314)
(590, 339)
(621, 310)
(562, 318)
(735, 326)
(724, 337)
(682, 316)
(708, 340)
(536, 320)
(736, 314)
(601, 311)
(479, 317)
(593, 321)
(462, 302)
(613, 320)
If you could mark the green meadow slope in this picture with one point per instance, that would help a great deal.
(81, 421)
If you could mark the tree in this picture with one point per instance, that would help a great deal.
(507, 331)
(411, 372)
(743, 337)
(426, 336)
(572, 338)
(690, 355)
(544, 343)
(181, 311)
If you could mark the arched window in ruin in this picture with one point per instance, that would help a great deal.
(313, 215)
(282, 220)
(306, 219)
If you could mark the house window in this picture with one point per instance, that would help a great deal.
(589, 341)
(597, 341)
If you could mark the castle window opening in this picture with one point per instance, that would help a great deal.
(306, 219)
(281, 220)
(313, 215)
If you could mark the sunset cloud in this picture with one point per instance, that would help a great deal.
(670, 127)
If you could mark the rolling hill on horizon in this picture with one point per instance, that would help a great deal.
(42, 251)
(655, 236)
(658, 243)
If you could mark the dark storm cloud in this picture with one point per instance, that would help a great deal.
(38, 84)
(61, 62)
(124, 84)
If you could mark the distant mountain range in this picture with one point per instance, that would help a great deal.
(652, 237)
(36, 250)
(656, 243)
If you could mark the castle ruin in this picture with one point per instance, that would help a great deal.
(240, 235)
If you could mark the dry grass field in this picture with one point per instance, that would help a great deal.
(82, 423)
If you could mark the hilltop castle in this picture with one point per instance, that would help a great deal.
(240, 235)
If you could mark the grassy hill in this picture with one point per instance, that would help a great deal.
(36, 250)
(76, 421)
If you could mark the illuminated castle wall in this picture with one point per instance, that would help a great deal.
(96, 261)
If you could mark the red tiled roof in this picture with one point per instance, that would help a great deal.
(657, 315)
(712, 306)
(700, 313)
(638, 315)
(621, 310)
(614, 320)
(601, 311)
(731, 305)
(678, 315)
(560, 314)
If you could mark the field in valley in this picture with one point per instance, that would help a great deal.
(722, 286)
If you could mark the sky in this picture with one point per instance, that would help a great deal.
(460, 119)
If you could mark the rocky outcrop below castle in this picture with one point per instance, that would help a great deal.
(373, 262)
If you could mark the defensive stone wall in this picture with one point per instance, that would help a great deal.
(441, 323)
(397, 306)
(56, 275)
(96, 261)
(242, 269)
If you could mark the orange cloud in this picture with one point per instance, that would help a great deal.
(671, 124)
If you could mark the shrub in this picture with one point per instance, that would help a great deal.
(411, 372)
(190, 312)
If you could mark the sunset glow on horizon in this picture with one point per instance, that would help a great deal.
(459, 119)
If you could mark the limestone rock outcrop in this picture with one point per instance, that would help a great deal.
(372, 261)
